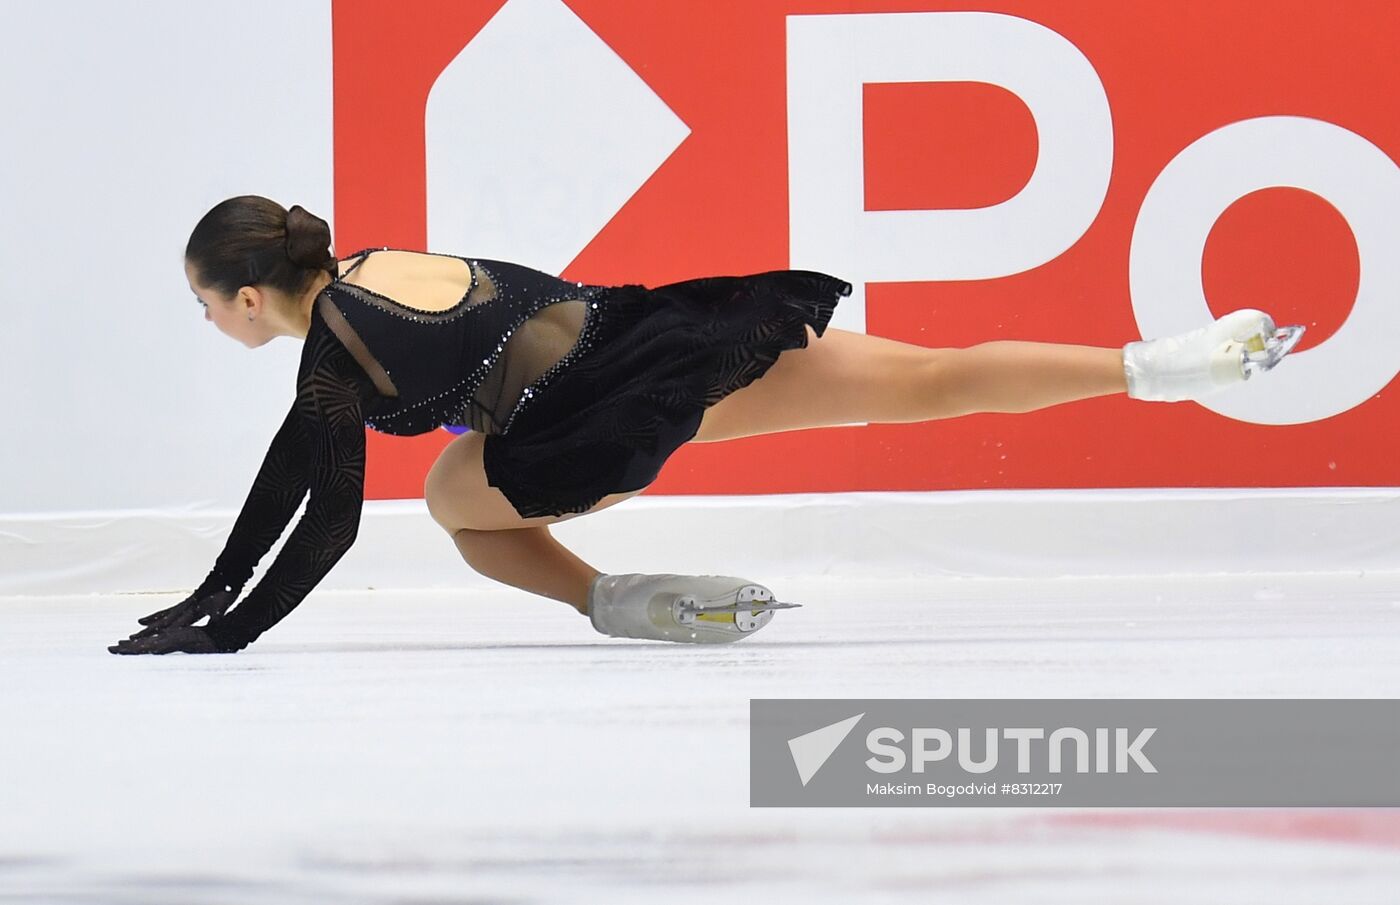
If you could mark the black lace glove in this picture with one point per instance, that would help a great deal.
(170, 630)
(189, 639)
(188, 611)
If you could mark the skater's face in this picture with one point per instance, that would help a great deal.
(232, 316)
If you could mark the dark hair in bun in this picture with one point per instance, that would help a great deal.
(249, 240)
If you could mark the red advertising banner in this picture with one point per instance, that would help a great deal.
(1096, 170)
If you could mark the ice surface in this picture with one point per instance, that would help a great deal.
(455, 747)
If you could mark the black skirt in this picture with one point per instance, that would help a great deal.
(658, 358)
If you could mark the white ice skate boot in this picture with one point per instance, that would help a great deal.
(1207, 359)
(689, 608)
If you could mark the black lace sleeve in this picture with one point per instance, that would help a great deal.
(329, 443)
(278, 490)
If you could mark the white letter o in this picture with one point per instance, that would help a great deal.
(1191, 193)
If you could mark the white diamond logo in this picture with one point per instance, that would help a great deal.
(537, 134)
(811, 750)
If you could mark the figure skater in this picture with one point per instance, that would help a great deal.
(575, 395)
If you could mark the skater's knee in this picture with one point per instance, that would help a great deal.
(942, 384)
(459, 495)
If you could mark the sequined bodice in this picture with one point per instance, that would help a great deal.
(477, 364)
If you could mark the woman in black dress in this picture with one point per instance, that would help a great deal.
(575, 395)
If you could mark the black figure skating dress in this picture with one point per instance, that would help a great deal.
(580, 391)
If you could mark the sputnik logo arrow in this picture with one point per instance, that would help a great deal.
(811, 750)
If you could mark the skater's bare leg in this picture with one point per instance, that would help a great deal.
(842, 378)
(1016, 376)
(846, 377)
(529, 559)
(494, 539)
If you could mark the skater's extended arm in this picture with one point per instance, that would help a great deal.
(277, 491)
(328, 405)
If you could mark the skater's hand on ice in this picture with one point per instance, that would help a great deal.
(187, 639)
(188, 611)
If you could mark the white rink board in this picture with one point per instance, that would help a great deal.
(767, 537)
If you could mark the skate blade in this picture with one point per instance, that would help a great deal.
(1263, 353)
(756, 606)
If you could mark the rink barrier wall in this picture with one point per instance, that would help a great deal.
(984, 534)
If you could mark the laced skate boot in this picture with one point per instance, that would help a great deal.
(1208, 359)
(687, 608)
